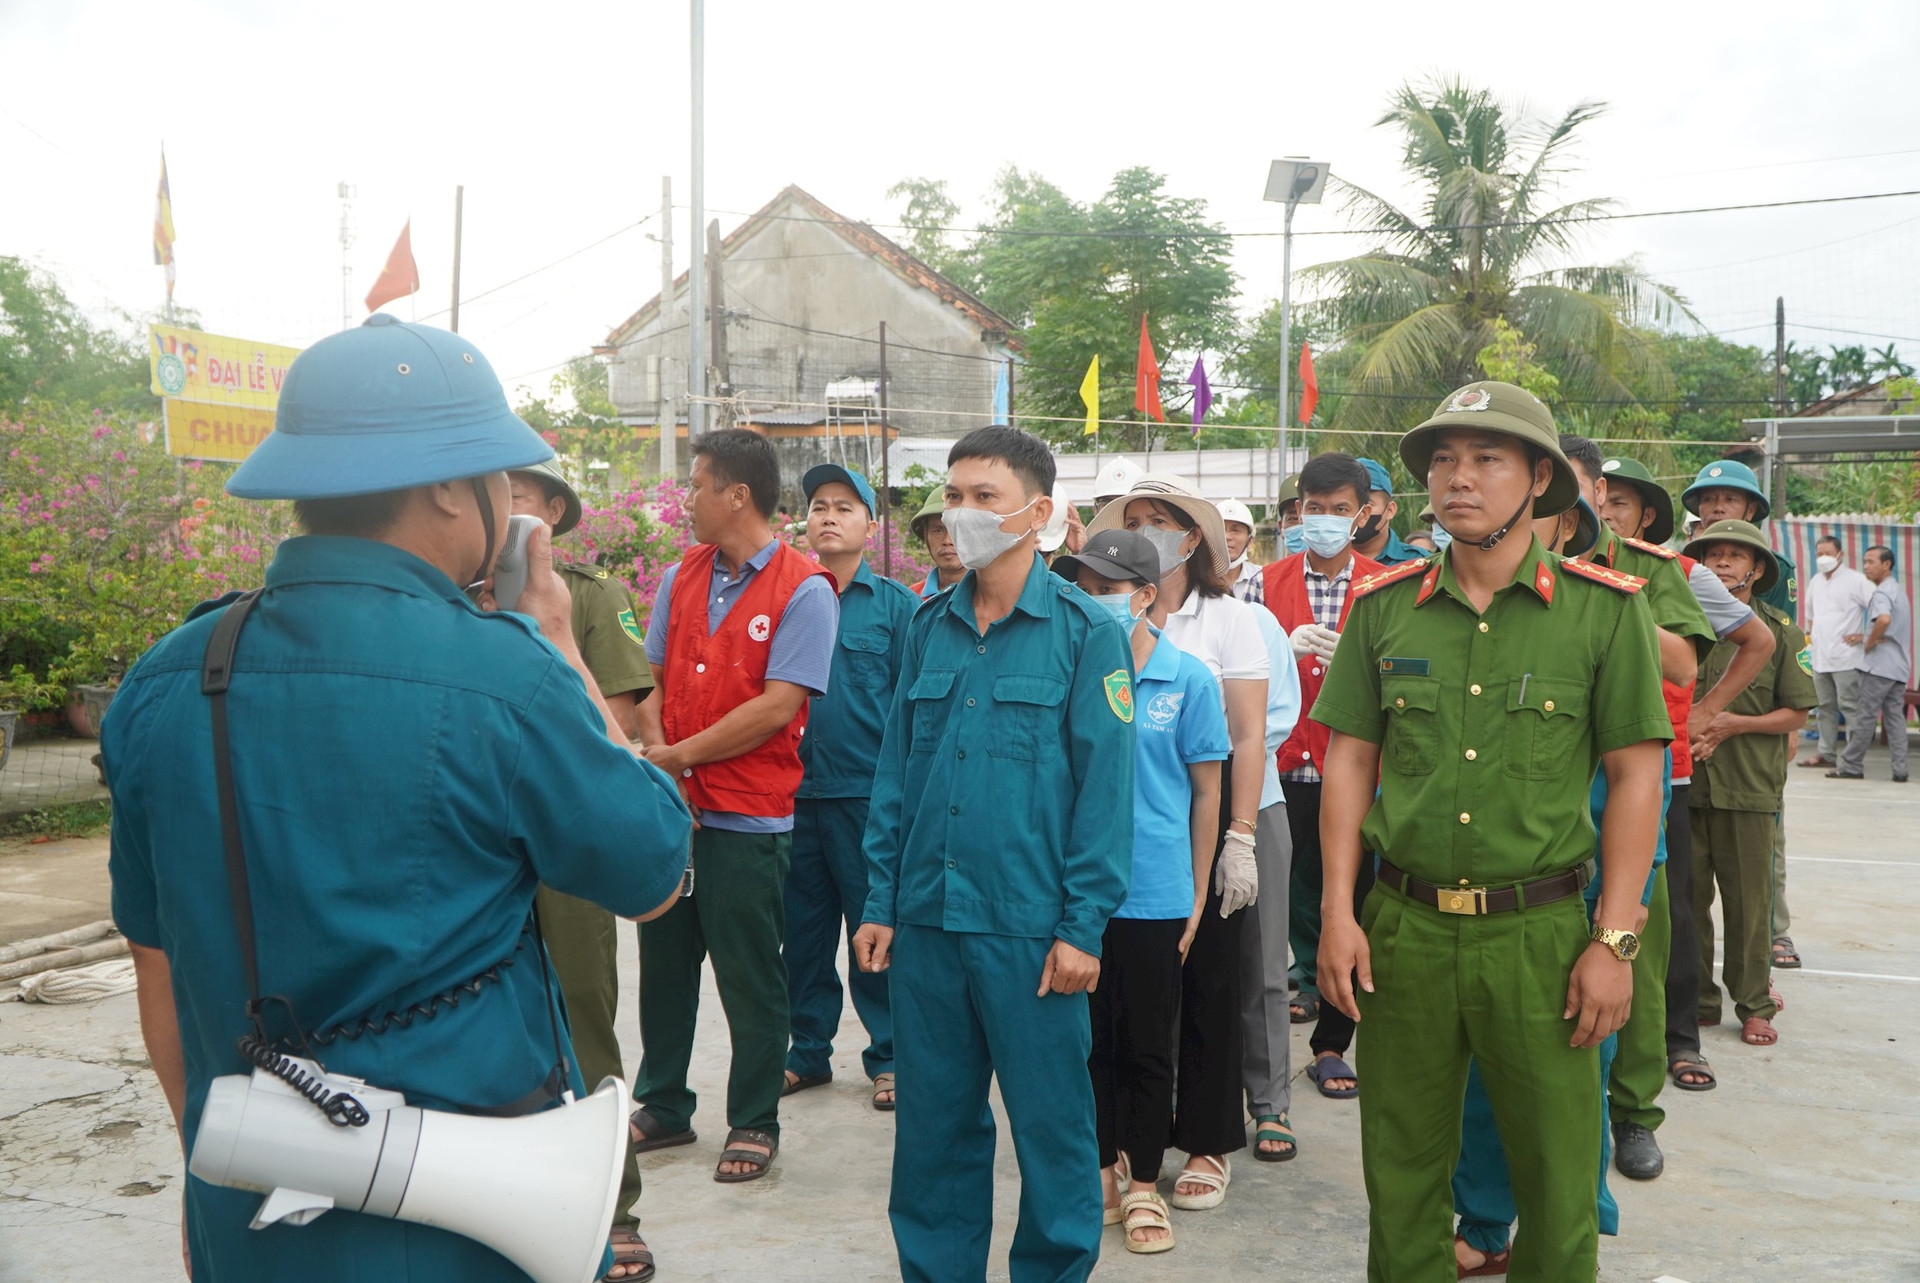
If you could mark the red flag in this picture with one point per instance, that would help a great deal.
(1146, 379)
(1309, 386)
(399, 277)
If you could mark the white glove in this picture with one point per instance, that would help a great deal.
(1313, 639)
(1235, 876)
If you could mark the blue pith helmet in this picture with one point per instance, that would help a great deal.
(1726, 475)
(386, 406)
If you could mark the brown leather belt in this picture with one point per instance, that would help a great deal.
(1477, 900)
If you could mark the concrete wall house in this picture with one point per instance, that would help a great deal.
(803, 292)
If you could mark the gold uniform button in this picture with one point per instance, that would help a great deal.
(1474, 689)
(1472, 755)
(1483, 625)
(1399, 703)
(1465, 818)
(1548, 706)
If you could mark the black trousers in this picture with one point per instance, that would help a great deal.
(1683, 962)
(1134, 1012)
(1209, 1114)
(1333, 1031)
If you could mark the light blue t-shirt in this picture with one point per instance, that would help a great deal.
(1283, 701)
(1179, 719)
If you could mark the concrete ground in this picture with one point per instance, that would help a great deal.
(1799, 1167)
(47, 771)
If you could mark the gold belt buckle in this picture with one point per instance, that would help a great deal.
(1466, 900)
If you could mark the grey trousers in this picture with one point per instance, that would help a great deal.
(1265, 1028)
(1782, 918)
(1838, 692)
(1881, 697)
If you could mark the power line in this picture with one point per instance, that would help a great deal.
(474, 298)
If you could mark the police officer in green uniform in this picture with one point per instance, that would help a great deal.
(1482, 689)
(1736, 791)
(1728, 491)
(581, 936)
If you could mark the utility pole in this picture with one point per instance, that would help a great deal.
(459, 197)
(696, 278)
(886, 471)
(1779, 398)
(664, 417)
(346, 191)
(717, 321)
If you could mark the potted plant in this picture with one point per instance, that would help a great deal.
(20, 691)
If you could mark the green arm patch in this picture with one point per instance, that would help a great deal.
(631, 627)
(1120, 694)
(1805, 660)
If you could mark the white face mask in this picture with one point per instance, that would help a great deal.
(977, 537)
(1827, 564)
(1167, 544)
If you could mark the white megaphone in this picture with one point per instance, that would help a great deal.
(538, 1189)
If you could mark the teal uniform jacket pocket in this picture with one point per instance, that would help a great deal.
(863, 659)
(1027, 712)
(1412, 742)
(931, 708)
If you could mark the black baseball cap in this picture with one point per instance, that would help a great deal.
(1113, 554)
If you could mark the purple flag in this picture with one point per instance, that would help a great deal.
(1202, 393)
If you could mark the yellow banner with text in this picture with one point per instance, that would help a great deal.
(190, 365)
(226, 432)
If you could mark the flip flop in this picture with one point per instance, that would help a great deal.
(1758, 1032)
(1145, 1210)
(1785, 956)
(883, 1082)
(734, 1154)
(630, 1249)
(1325, 1067)
(1496, 1263)
(1302, 1011)
(802, 1082)
(1675, 1068)
(1274, 1127)
(654, 1135)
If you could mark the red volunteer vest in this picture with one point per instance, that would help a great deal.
(1679, 704)
(1284, 584)
(708, 676)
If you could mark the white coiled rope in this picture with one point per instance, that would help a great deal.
(79, 984)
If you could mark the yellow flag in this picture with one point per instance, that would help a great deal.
(1090, 396)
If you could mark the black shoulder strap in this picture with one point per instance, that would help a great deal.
(216, 673)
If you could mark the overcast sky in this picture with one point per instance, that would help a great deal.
(561, 118)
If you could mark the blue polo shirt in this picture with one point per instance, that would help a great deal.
(1001, 802)
(845, 725)
(1180, 721)
(408, 768)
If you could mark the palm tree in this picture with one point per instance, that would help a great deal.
(1484, 245)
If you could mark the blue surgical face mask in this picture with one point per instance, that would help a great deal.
(1294, 539)
(1120, 606)
(1440, 537)
(1325, 533)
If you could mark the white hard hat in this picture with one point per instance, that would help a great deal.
(1116, 479)
(1234, 510)
(1054, 533)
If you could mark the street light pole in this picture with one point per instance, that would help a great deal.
(1294, 181)
(697, 301)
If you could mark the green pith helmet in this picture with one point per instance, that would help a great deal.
(1728, 474)
(1289, 491)
(935, 505)
(1586, 533)
(556, 483)
(1741, 532)
(1634, 473)
(1506, 409)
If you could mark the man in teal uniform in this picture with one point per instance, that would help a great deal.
(1728, 491)
(1375, 538)
(1000, 842)
(828, 879)
(391, 869)
(1481, 691)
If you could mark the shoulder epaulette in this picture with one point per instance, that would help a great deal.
(585, 569)
(1665, 554)
(1391, 575)
(1618, 580)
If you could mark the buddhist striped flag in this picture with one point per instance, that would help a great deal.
(163, 225)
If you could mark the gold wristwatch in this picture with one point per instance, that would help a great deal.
(1625, 944)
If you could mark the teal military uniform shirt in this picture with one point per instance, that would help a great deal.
(845, 725)
(1002, 802)
(407, 768)
(1397, 551)
(1491, 725)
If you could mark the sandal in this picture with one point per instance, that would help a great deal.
(1216, 1182)
(1274, 1127)
(882, 1083)
(1122, 1177)
(796, 1082)
(1496, 1263)
(733, 1154)
(1145, 1210)
(1698, 1068)
(1779, 1003)
(1785, 956)
(654, 1135)
(1757, 1031)
(1324, 1068)
(1302, 1011)
(629, 1249)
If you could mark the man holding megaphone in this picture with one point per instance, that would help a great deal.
(332, 803)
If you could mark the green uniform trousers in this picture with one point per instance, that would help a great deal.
(581, 939)
(1733, 850)
(735, 915)
(1640, 1065)
(1491, 989)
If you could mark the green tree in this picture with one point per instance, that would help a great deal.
(51, 350)
(1478, 249)
(929, 213)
